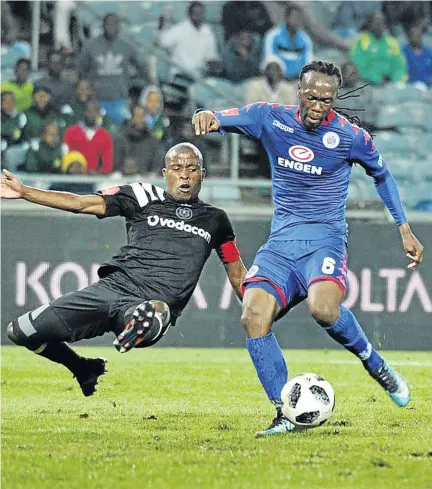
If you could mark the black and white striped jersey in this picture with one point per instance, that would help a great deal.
(168, 241)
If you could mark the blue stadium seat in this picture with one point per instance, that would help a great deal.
(8, 57)
(150, 11)
(213, 12)
(143, 34)
(394, 94)
(391, 144)
(409, 114)
(15, 156)
(324, 12)
(328, 54)
(163, 69)
(217, 93)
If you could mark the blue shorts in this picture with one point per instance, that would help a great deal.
(286, 269)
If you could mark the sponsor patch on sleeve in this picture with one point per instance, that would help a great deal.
(228, 112)
(110, 191)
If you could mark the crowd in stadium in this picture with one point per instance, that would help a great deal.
(86, 114)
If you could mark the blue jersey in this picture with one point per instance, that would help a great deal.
(311, 168)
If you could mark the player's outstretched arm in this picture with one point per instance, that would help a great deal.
(236, 272)
(11, 187)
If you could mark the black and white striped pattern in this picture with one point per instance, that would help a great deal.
(146, 192)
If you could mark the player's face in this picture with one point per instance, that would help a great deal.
(183, 174)
(317, 94)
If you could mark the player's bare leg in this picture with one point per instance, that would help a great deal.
(259, 309)
(324, 299)
(149, 322)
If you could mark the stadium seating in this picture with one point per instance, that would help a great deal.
(409, 114)
(14, 156)
(333, 55)
(398, 94)
(217, 93)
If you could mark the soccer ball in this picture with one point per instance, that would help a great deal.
(308, 400)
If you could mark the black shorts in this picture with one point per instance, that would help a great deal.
(106, 306)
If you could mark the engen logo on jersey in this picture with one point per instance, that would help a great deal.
(301, 155)
(180, 225)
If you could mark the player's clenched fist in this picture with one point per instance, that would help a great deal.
(10, 186)
(205, 122)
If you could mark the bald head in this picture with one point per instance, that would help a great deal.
(184, 151)
(184, 171)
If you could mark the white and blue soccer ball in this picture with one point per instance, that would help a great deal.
(308, 400)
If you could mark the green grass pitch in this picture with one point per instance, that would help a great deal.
(186, 418)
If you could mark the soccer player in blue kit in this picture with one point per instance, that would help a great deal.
(311, 148)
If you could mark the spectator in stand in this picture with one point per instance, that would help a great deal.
(74, 111)
(240, 56)
(45, 155)
(93, 141)
(41, 111)
(419, 58)
(62, 14)
(271, 86)
(239, 15)
(405, 14)
(105, 62)
(377, 54)
(191, 43)
(61, 89)
(136, 150)
(12, 122)
(74, 163)
(350, 16)
(9, 33)
(152, 101)
(289, 43)
(20, 87)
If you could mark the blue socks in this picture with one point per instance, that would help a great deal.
(348, 333)
(269, 363)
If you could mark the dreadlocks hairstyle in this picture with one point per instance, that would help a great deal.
(330, 69)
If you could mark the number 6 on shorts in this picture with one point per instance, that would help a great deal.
(328, 265)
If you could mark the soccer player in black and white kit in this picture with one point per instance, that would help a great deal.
(144, 288)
